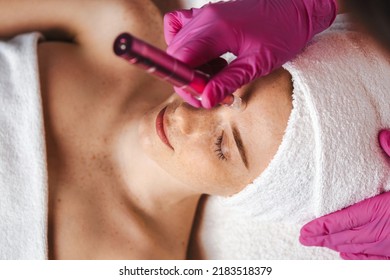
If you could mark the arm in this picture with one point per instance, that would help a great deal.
(51, 17)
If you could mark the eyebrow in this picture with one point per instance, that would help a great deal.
(240, 146)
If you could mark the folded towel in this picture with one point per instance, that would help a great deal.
(23, 177)
(223, 233)
(329, 157)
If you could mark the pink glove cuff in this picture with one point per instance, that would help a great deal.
(321, 14)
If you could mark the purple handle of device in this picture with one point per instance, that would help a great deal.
(160, 64)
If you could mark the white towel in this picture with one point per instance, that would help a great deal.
(23, 175)
(329, 157)
(223, 233)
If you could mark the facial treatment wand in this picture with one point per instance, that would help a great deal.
(159, 64)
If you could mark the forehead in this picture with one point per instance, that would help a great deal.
(264, 120)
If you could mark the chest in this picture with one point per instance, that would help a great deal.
(83, 103)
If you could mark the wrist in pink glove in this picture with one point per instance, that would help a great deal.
(262, 34)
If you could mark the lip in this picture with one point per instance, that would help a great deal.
(160, 128)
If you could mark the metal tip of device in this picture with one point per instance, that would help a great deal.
(237, 103)
(234, 102)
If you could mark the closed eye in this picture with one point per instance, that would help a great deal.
(218, 149)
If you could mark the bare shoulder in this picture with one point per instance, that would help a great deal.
(139, 17)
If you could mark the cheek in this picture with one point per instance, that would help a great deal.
(195, 166)
(203, 171)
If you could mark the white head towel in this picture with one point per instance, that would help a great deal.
(329, 157)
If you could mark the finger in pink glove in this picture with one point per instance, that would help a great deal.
(262, 34)
(350, 256)
(361, 231)
(384, 140)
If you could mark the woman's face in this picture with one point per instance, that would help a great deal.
(222, 150)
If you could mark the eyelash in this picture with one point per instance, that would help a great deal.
(218, 150)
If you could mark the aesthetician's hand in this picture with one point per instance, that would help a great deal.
(263, 34)
(361, 231)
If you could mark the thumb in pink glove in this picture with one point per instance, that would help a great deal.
(361, 231)
(262, 34)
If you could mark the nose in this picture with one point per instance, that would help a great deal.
(192, 120)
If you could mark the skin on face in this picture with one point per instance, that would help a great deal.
(220, 151)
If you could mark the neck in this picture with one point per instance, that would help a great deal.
(156, 197)
(121, 204)
(165, 215)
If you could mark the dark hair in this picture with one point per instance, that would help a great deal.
(374, 15)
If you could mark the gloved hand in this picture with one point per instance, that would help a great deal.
(361, 231)
(263, 34)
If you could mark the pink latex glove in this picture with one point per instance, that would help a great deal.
(263, 34)
(361, 231)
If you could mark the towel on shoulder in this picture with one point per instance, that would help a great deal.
(23, 173)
